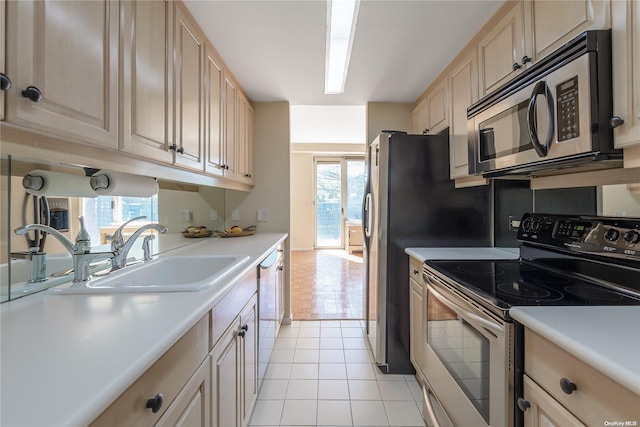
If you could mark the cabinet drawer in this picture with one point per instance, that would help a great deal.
(415, 270)
(597, 397)
(167, 377)
(231, 304)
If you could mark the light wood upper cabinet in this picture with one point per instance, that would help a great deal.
(419, 118)
(438, 107)
(189, 90)
(68, 52)
(3, 38)
(431, 115)
(245, 140)
(230, 114)
(463, 86)
(500, 52)
(554, 23)
(213, 113)
(146, 104)
(626, 72)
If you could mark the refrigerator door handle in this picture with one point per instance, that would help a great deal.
(369, 218)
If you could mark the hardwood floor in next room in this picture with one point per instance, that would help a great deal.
(327, 284)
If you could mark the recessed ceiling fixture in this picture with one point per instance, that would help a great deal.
(341, 27)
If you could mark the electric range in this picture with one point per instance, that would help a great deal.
(474, 352)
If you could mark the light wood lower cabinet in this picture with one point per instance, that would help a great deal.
(234, 371)
(192, 407)
(416, 314)
(582, 392)
(165, 378)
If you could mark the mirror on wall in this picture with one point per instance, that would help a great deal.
(175, 206)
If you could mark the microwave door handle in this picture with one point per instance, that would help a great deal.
(540, 88)
(487, 324)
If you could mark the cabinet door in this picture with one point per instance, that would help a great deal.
(230, 113)
(68, 52)
(241, 137)
(545, 411)
(146, 73)
(213, 113)
(626, 72)
(555, 23)
(437, 108)
(280, 301)
(463, 85)
(250, 157)
(249, 360)
(417, 326)
(225, 379)
(419, 118)
(191, 408)
(189, 56)
(501, 51)
(3, 38)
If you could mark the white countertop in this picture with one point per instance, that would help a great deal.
(607, 338)
(65, 358)
(433, 254)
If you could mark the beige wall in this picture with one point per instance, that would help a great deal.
(620, 200)
(272, 190)
(172, 202)
(387, 116)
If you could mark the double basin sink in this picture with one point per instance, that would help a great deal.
(164, 274)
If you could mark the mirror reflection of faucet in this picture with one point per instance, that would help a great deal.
(81, 250)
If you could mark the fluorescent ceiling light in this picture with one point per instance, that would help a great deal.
(341, 27)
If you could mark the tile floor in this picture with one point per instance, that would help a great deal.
(321, 374)
(327, 284)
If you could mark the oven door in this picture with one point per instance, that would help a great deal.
(546, 120)
(467, 361)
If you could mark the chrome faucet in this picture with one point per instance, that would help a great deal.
(120, 260)
(80, 250)
(37, 263)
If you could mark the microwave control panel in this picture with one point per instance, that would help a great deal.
(605, 236)
(568, 111)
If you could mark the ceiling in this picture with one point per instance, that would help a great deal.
(276, 49)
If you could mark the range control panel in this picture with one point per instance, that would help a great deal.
(604, 236)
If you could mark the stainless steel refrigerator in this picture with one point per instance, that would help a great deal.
(410, 201)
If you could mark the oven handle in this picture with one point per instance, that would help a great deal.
(540, 88)
(487, 324)
(429, 407)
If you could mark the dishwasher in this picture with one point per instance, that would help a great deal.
(271, 306)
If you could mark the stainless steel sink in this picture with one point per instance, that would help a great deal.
(169, 274)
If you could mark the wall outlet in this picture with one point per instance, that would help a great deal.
(213, 215)
(262, 215)
(235, 215)
(185, 216)
(514, 223)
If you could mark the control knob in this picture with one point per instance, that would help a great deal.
(611, 234)
(536, 226)
(632, 237)
(526, 224)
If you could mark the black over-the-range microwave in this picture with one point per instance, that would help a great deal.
(556, 115)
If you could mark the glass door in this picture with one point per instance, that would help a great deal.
(339, 187)
(329, 208)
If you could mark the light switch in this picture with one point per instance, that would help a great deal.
(263, 215)
(235, 215)
(213, 215)
(185, 216)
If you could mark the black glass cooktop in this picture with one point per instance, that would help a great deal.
(505, 284)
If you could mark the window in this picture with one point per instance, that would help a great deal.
(107, 212)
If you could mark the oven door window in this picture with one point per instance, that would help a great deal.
(463, 350)
(505, 133)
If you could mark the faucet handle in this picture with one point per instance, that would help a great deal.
(83, 239)
(146, 246)
(117, 240)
